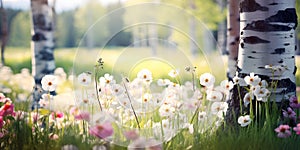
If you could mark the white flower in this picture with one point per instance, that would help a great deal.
(261, 93)
(49, 83)
(263, 83)
(219, 108)
(239, 81)
(84, 79)
(43, 103)
(190, 127)
(244, 120)
(214, 96)
(146, 97)
(252, 79)
(107, 79)
(166, 110)
(173, 73)
(145, 75)
(165, 124)
(117, 89)
(247, 98)
(207, 80)
(163, 82)
(226, 85)
(202, 115)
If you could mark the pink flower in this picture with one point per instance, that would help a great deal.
(7, 109)
(53, 136)
(289, 113)
(83, 116)
(102, 131)
(57, 115)
(297, 129)
(1, 122)
(294, 102)
(283, 131)
(131, 135)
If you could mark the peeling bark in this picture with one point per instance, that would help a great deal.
(267, 39)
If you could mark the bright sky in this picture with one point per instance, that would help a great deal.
(60, 4)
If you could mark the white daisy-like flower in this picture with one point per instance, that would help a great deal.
(107, 79)
(190, 127)
(163, 82)
(247, 98)
(214, 96)
(166, 110)
(117, 89)
(84, 79)
(244, 120)
(146, 97)
(145, 75)
(219, 108)
(207, 80)
(173, 73)
(261, 94)
(252, 79)
(226, 85)
(202, 115)
(239, 81)
(263, 83)
(49, 83)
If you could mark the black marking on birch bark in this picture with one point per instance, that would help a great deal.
(279, 51)
(232, 43)
(40, 22)
(273, 3)
(229, 29)
(47, 71)
(254, 40)
(242, 33)
(38, 37)
(295, 70)
(251, 57)
(253, 52)
(295, 47)
(286, 44)
(281, 61)
(242, 45)
(293, 57)
(265, 26)
(251, 6)
(285, 16)
(237, 38)
(238, 69)
(46, 55)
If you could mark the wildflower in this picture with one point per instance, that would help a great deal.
(239, 81)
(7, 109)
(297, 129)
(57, 116)
(261, 93)
(146, 97)
(173, 73)
(263, 83)
(283, 131)
(294, 102)
(289, 113)
(163, 82)
(53, 136)
(166, 110)
(252, 79)
(145, 75)
(202, 115)
(102, 131)
(84, 79)
(107, 79)
(131, 135)
(49, 83)
(214, 96)
(219, 108)
(117, 89)
(1, 122)
(43, 103)
(226, 85)
(190, 127)
(244, 120)
(207, 80)
(247, 98)
(82, 116)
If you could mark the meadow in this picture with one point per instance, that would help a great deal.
(61, 128)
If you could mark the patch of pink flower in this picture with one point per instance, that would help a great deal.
(297, 129)
(294, 102)
(131, 135)
(83, 116)
(283, 131)
(1, 122)
(289, 113)
(7, 109)
(102, 131)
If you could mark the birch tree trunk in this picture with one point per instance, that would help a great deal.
(222, 41)
(4, 31)
(267, 38)
(233, 35)
(42, 44)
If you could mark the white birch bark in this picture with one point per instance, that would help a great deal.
(222, 41)
(267, 38)
(42, 44)
(233, 34)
